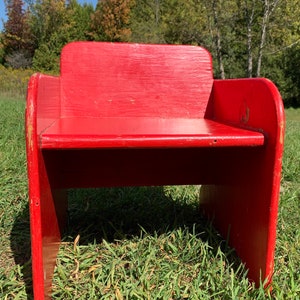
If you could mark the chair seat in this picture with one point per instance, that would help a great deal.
(88, 132)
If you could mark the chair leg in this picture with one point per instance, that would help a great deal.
(245, 205)
(48, 208)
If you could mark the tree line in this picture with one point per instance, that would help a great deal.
(247, 38)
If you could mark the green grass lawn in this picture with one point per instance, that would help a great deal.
(139, 243)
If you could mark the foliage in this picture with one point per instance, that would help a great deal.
(2, 49)
(81, 20)
(14, 25)
(247, 38)
(292, 75)
(184, 22)
(13, 82)
(17, 39)
(55, 23)
(110, 22)
(146, 22)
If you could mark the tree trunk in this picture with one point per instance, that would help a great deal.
(157, 12)
(249, 18)
(268, 9)
(218, 40)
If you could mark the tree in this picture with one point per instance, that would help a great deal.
(269, 7)
(249, 11)
(48, 17)
(2, 50)
(16, 38)
(55, 23)
(146, 21)
(49, 25)
(214, 14)
(292, 76)
(184, 22)
(80, 19)
(111, 20)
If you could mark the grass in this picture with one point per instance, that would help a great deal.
(139, 243)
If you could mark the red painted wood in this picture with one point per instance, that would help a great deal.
(135, 80)
(249, 206)
(152, 115)
(47, 205)
(34, 188)
(146, 166)
(145, 132)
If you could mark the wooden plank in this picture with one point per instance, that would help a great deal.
(47, 206)
(249, 209)
(135, 80)
(145, 132)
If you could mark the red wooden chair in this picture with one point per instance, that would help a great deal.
(133, 115)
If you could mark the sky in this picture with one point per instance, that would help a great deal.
(3, 13)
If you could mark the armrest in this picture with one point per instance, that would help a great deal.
(42, 106)
(48, 101)
(43, 100)
(248, 206)
(249, 103)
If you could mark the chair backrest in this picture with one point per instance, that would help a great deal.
(134, 80)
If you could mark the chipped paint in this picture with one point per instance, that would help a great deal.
(30, 126)
(30, 137)
(281, 132)
(245, 114)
